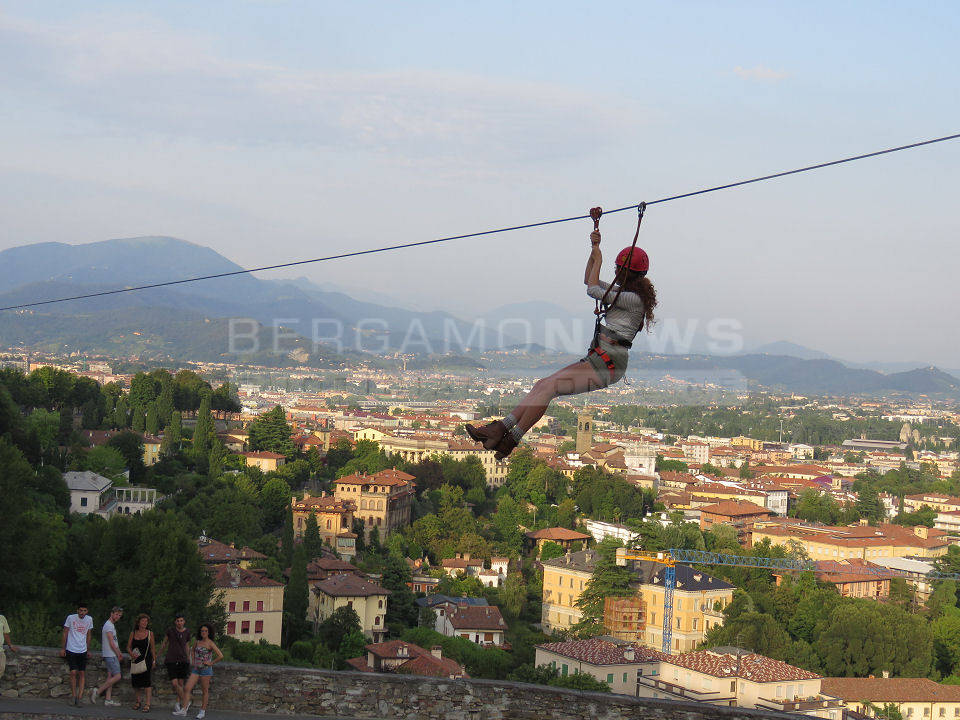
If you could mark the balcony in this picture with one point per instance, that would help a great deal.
(655, 682)
(799, 705)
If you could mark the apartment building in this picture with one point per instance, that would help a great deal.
(915, 698)
(415, 448)
(483, 625)
(265, 460)
(382, 500)
(564, 537)
(737, 678)
(698, 598)
(867, 542)
(937, 501)
(616, 663)
(213, 552)
(254, 603)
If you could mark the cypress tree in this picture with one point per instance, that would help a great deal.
(165, 406)
(286, 548)
(175, 429)
(153, 420)
(138, 421)
(296, 599)
(215, 459)
(311, 538)
(120, 415)
(203, 433)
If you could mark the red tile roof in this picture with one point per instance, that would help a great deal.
(602, 652)
(735, 508)
(748, 666)
(556, 533)
(893, 690)
(234, 576)
(214, 552)
(349, 586)
(421, 662)
(468, 617)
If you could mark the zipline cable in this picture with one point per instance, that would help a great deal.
(404, 246)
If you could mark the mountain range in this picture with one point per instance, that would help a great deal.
(192, 321)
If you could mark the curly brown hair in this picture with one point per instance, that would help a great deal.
(638, 282)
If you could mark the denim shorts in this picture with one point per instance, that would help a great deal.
(202, 671)
(113, 665)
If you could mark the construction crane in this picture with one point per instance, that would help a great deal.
(670, 558)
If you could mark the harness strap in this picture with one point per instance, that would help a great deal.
(603, 355)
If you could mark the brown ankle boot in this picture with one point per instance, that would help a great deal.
(506, 446)
(490, 434)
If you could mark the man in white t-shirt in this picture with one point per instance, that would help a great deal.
(76, 641)
(111, 658)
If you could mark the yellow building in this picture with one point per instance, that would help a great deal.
(367, 599)
(737, 678)
(381, 500)
(417, 448)
(741, 441)
(254, 603)
(265, 460)
(916, 698)
(697, 600)
(151, 450)
(867, 542)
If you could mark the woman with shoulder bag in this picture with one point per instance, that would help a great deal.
(143, 658)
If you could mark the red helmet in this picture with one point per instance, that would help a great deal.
(637, 261)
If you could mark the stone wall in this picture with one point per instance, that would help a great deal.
(41, 673)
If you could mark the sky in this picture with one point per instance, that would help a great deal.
(275, 131)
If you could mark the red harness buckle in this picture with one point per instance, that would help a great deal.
(606, 359)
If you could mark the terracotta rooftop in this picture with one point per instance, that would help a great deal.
(557, 533)
(325, 503)
(749, 666)
(234, 576)
(484, 617)
(893, 690)
(349, 586)
(384, 477)
(598, 651)
(214, 552)
(735, 508)
(421, 662)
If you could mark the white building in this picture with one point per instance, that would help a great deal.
(93, 494)
(600, 530)
(641, 459)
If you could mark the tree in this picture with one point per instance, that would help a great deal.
(105, 460)
(551, 550)
(312, 542)
(567, 514)
(173, 433)
(271, 432)
(121, 415)
(130, 445)
(869, 505)
(152, 423)
(165, 404)
(286, 538)
(203, 432)
(296, 599)
(215, 459)
(745, 472)
(44, 427)
(402, 611)
(138, 422)
(343, 622)
(514, 594)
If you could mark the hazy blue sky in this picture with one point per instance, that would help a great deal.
(275, 131)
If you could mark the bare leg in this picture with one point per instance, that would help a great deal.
(577, 378)
(205, 686)
(178, 690)
(149, 695)
(73, 683)
(81, 681)
(188, 689)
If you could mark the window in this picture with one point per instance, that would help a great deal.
(376, 620)
(563, 670)
(231, 628)
(259, 605)
(233, 606)
(258, 626)
(610, 678)
(624, 677)
(733, 686)
(943, 712)
(695, 623)
(779, 691)
(926, 712)
(328, 523)
(380, 604)
(246, 606)
(245, 627)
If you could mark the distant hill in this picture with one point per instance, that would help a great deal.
(51, 270)
(785, 347)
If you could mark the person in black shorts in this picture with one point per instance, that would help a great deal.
(76, 643)
(177, 658)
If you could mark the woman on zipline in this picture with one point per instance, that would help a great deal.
(625, 305)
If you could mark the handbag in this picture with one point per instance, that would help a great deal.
(140, 666)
